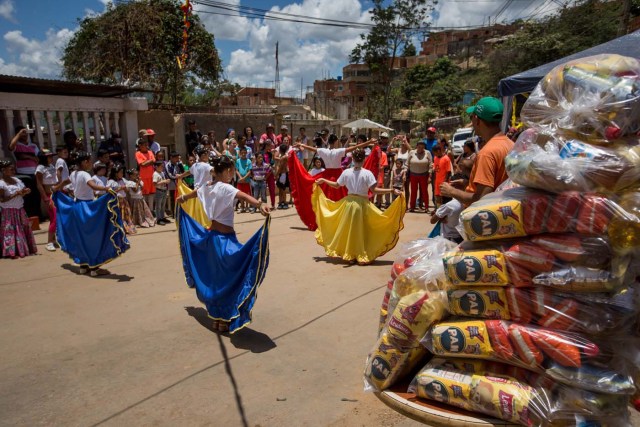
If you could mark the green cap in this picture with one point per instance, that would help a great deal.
(488, 109)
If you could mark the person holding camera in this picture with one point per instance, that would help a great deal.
(26, 155)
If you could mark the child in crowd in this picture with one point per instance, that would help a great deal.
(46, 179)
(187, 177)
(62, 169)
(318, 166)
(104, 158)
(161, 183)
(140, 212)
(16, 236)
(173, 169)
(259, 172)
(449, 216)
(118, 184)
(100, 176)
(282, 174)
(243, 172)
(442, 172)
(398, 176)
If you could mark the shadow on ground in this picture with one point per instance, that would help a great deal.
(117, 277)
(245, 339)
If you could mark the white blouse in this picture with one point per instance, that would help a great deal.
(9, 190)
(218, 200)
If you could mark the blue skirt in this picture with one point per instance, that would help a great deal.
(225, 273)
(91, 232)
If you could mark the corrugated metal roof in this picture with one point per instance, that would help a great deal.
(15, 84)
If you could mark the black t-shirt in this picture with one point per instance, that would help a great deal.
(192, 140)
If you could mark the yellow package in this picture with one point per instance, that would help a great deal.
(467, 339)
(481, 302)
(501, 397)
(394, 353)
(476, 268)
(500, 220)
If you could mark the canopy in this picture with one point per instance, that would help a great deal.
(526, 81)
(365, 124)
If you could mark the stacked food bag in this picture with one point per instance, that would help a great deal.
(540, 320)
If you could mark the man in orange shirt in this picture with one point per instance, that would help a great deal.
(488, 171)
(442, 172)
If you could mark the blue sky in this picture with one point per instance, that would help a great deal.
(34, 33)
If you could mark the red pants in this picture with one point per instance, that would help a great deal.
(271, 185)
(423, 182)
(51, 212)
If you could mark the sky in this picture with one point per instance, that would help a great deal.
(35, 32)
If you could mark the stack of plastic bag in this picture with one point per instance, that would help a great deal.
(534, 319)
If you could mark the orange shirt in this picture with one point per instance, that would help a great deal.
(146, 172)
(489, 168)
(442, 168)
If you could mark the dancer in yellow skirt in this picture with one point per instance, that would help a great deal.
(353, 228)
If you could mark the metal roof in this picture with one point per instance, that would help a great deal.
(15, 84)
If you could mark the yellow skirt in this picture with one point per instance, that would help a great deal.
(192, 207)
(354, 229)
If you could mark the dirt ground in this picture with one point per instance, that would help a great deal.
(135, 348)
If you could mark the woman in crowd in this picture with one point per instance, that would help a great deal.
(46, 178)
(251, 139)
(16, 236)
(90, 231)
(140, 212)
(420, 166)
(464, 162)
(353, 228)
(225, 273)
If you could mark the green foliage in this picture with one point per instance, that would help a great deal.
(409, 50)
(438, 85)
(444, 93)
(136, 43)
(394, 22)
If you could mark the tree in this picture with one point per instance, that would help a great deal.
(395, 23)
(437, 85)
(136, 44)
(409, 50)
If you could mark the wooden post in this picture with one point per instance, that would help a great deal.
(86, 130)
(51, 131)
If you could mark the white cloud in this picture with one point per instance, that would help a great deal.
(234, 27)
(463, 13)
(7, 10)
(35, 58)
(305, 51)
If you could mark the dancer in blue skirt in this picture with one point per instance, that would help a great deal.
(225, 273)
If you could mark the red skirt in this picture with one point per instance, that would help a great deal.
(245, 187)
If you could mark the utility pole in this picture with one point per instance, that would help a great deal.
(624, 22)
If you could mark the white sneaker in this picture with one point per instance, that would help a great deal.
(50, 247)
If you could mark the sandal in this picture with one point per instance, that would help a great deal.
(99, 272)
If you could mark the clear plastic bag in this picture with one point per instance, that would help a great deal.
(566, 262)
(522, 211)
(398, 349)
(594, 99)
(557, 164)
(488, 389)
(567, 357)
(591, 314)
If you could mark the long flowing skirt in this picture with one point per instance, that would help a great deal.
(302, 184)
(225, 273)
(15, 233)
(91, 232)
(354, 229)
(192, 207)
(141, 214)
(127, 220)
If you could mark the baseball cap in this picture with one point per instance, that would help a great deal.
(431, 129)
(384, 135)
(284, 127)
(149, 132)
(46, 153)
(270, 125)
(488, 109)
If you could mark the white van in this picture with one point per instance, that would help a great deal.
(458, 140)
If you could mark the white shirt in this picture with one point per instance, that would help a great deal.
(79, 181)
(332, 158)
(9, 190)
(100, 180)
(201, 172)
(218, 200)
(450, 210)
(113, 184)
(60, 163)
(48, 174)
(314, 171)
(132, 192)
(357, 181)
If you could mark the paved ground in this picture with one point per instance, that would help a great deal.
(134, 348)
